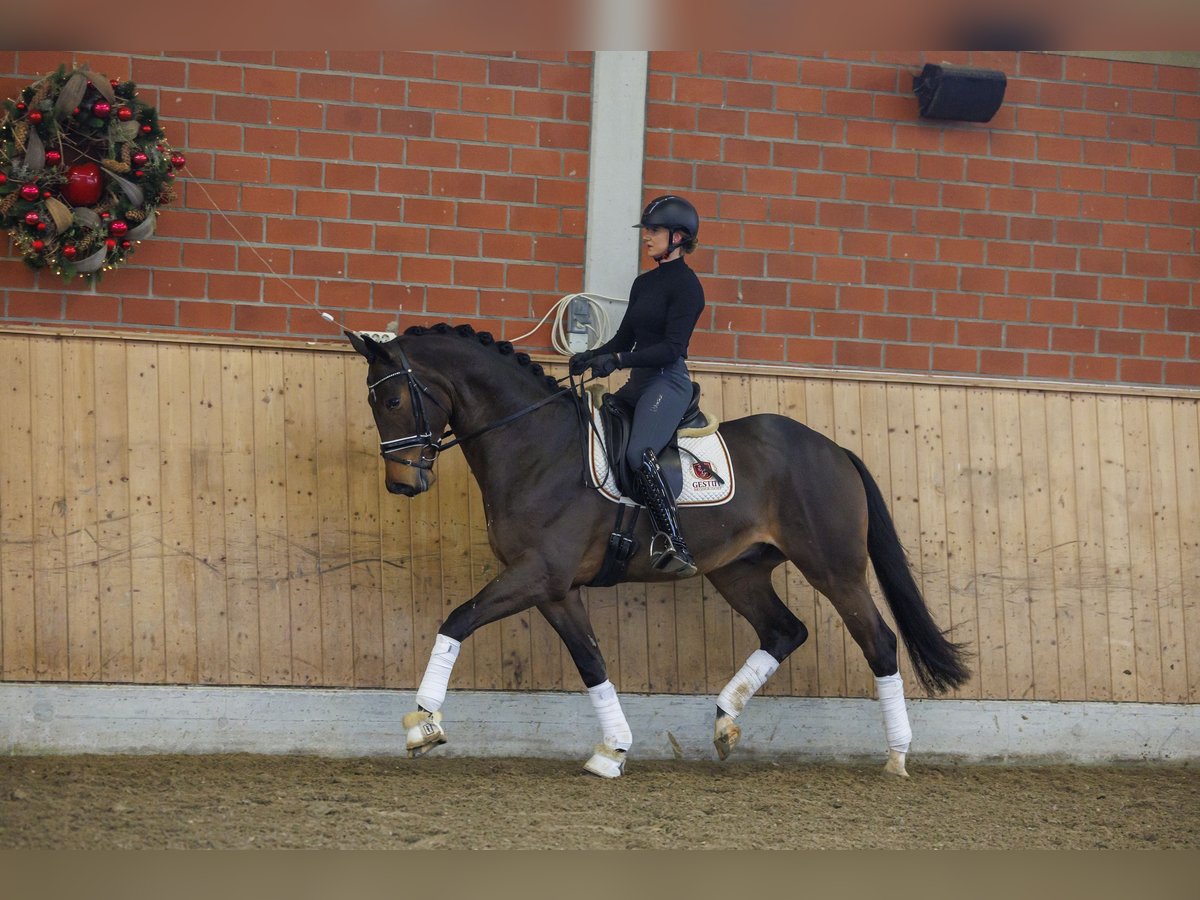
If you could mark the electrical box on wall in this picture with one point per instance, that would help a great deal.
(959, 93)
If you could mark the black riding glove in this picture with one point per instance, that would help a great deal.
(605, 364)
(579, 362)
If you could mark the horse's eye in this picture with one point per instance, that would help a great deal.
(393, 403)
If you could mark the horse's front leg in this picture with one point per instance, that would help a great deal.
(529, 581)
(569, 618)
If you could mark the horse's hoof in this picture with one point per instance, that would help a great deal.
(423, 732)
(726, 736)
(895, 764)
(606, 762)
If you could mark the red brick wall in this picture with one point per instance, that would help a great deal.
(840, 229)
(445, 185)
(1058, 241)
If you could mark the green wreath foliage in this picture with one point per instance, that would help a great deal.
(84, 168)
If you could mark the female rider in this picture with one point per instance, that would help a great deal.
(652, 341)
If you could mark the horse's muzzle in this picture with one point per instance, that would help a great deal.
(407, 481)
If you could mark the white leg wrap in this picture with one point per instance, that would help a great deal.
(432, 692)
(750, 677)
(895, 716)
(612, 721)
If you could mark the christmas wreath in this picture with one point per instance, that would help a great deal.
(84, 167)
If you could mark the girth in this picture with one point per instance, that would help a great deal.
(616, 421)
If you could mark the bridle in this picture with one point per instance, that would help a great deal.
(423, 438)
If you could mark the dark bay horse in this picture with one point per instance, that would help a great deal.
(800, 497)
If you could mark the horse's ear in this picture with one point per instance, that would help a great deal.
(365, 345)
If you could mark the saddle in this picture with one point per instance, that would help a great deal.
(616, 421)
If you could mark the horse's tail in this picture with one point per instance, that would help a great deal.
(938, 663)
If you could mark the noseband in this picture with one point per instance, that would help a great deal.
(431, 447)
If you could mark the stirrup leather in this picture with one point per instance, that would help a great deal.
(668, 551)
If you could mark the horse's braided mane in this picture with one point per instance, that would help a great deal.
(485, 338)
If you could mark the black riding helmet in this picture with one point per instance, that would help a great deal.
(671, 212)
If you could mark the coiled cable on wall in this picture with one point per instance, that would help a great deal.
(560, 334)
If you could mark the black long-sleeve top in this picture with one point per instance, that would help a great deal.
(664, 305)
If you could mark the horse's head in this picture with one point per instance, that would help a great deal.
(410, 419)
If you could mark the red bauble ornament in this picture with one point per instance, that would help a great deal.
(138, 173)
(110, 243)
(139, 158)
(32, 218)
(53, 157)
(39, 245)
(146, 129)
(41, 226)
(125, 245)
(21, 107)
(35, 117)
(178, 160)
(84, 184)
(119, 227)
(46, 195)
(106, 215)
(113, 82)
(69, 252)
(30, 192)
(101, 109)
(124, 113)
(3, 178)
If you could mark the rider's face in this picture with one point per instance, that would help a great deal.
(655, 239)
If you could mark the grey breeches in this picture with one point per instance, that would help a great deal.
(659, 398)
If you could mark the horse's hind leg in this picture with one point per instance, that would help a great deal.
(851, 597)
(746, 585)
(569, 618)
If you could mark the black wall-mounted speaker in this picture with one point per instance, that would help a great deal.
(958, 92)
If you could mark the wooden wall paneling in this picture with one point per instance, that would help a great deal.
(848, 432)
(303, 528)
(827, 632)
(719, 662)
(1035, 468)
(799, 595)
(1090, 531)
(208, 516)
(176, 447)
(1143, 576)
(82, 552)
(16, 511)
(985, 500)
(238, 402)
(903, 497)
(1064, 541)
(271, 500)
(1114, 497)
(145, 505)
(1168, 587)
(962, 620)
(400, 656)
(365, 486)
(334, 560)
(49, 513)
(1014, 552)
(1187, 469)
(931, 502)
(113, 513)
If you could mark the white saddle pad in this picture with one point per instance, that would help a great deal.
(703, 460)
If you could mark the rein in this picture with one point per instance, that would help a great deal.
(423, 438)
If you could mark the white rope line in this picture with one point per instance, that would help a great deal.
(313, 303)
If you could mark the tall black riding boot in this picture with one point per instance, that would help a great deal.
(668, 551)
